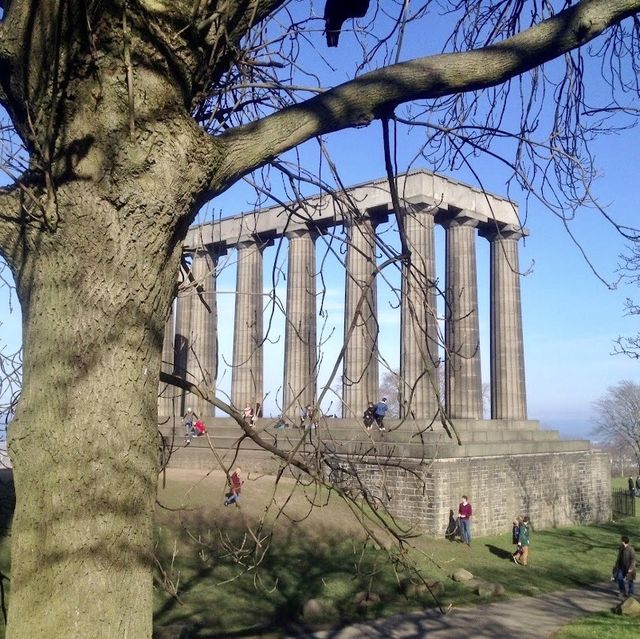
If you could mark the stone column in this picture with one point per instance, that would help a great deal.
(202, 359)
(300, 348)
(181, 342)
(168, 396)
(247, 369)
(360, 368)
(463, 382)
(419, 357)
(508, 391)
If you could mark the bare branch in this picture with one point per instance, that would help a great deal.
(375, 94)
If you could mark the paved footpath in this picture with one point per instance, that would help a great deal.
(522, 617)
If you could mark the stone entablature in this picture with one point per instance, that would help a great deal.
(447, 198)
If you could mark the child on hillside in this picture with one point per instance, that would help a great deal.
(233, 496)
(515, 534)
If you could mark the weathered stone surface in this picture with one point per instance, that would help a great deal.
(416, 590)
(365, 598)
(486, 588)
(317, 608)
(630, 607)
(462, 575)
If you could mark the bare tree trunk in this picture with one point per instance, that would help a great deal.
(84, 443)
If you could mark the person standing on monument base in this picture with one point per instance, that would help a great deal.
(369, 415)
(380, 412)
(624, 570)
(464, 520)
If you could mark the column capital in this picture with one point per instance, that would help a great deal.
(302, 232)
(493, 232)
(458, 218)
(255, 242)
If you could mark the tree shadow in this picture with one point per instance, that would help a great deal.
(268, 598)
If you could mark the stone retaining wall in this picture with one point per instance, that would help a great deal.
(556, 489)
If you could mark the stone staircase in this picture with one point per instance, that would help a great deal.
(406, 440)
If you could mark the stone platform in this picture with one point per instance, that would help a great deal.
(505, 467)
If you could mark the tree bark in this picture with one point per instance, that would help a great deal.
(95, 283)
(84, 442)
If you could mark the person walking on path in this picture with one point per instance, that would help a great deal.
(638, 486)
(624, 570)
(524, 536)
(464, 520)
(233, 496)
(380, 412)
(189, 431)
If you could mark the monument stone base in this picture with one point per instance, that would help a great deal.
(505, 467)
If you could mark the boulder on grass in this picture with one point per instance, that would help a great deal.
(630, 607)
(365, 599)
(318, 609)
(488, 589)
(462, 575)
(413, 590)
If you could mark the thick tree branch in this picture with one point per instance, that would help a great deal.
(376, 94)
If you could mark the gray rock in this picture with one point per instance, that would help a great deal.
(462, 575)
(317, 608)
(366, 599)
(629, 607)
(413, 590)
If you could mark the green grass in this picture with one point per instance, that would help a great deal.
(235, 578)
(605, 625)
(322, 556)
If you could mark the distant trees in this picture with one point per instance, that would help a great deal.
(390, 388)
(618, 417)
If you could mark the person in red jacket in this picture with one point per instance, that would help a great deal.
(233, 496)
(464, 520)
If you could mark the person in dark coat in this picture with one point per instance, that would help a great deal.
(369, 415)
(624, 570)
(632, 487)
(336, 12)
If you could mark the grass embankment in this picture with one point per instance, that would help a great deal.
(319, 553)
(209, 552)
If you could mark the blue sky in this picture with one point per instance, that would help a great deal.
(570, 317)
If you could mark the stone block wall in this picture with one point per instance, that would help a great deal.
(553, 489)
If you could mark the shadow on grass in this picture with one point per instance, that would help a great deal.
(499, 552)
(268, 599)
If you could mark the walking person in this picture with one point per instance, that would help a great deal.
(464, 520)
(189, 430)
(380, 412)
(638, 486)
(524, 538)
(624, 570)
(632, 487)
(515, 537)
